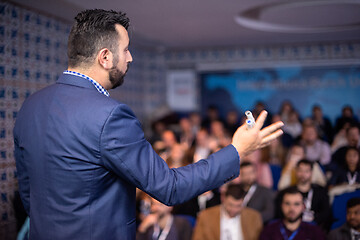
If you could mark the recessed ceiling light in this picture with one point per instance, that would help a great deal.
(251, 18)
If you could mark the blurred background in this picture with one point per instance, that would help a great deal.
(190, 57)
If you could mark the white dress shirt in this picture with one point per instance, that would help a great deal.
(230, 228)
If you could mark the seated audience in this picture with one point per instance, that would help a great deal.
(350, 174)
(293, 126)
(263, 171)
(291, 225)
(285, 110)
(351, 229)
(230, 220)
(212, 114)
(232, 122)
(316, 150)
(219, 134)
(257, 197)
(260, 106)
(187, 136)
(352, 140)
(322, 123)
(169, 139)
(161, 224)
(316, 199)
(347, 115)
(197, 204)
(195, 120)
(201, 149)
(288, 176)
(340, 139)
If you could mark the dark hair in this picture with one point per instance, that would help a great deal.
(246, 164)
(352, 125)
(348, 149)
(92, 31)
(236, 191)
(352, 202)
(290, 190)
(306, 162)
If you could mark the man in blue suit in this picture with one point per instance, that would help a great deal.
(80, 154)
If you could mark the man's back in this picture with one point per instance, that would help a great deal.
(69, 184)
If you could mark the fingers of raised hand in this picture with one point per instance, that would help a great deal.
(267, 140)
(270, 129)
(261, 119)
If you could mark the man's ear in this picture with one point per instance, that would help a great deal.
(105, 58)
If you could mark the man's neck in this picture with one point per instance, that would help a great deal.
(292, 226)
(304, 187)
(92, 73)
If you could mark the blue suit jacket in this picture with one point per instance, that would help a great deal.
(79, 157)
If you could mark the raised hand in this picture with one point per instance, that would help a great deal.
(248, 140)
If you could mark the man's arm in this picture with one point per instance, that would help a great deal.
(125, 151)
(23, 177)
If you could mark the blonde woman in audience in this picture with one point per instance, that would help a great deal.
(288, 176)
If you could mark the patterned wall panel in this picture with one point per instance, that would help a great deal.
(32, 54)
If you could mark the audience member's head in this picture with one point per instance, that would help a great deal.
(217, 128)
(169, 138)
(347, 111)
(292, 204)
(185, 125)
(304, 171)
(317, 113)
(233, 199)
(247, 174)
(232, 117)
(353, 135)
(202, 138)
(352, 159)
(286, 107)
(213, 113)
(296, 152)
(195, 118)
(275, 118)
(293, 117)
(353, 213)
(177, 155)
(309, 134)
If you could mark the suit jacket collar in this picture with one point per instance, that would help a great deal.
(75, 81)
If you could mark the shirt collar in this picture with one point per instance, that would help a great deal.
(95, 83)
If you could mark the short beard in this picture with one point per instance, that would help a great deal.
(295, 219)
(116, 77)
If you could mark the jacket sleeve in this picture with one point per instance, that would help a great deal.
(125, 151)
(23, 176)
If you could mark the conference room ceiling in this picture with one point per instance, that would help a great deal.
(190, 24)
